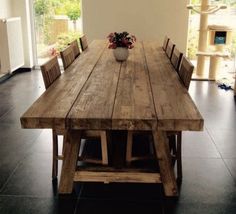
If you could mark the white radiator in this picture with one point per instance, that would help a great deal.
(11, 45)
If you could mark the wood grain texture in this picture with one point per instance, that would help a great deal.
(51, 109)
(75, 47)
(67, 56)
(176, 58)
(169, 49)
(174, 107)
(134, 109)
(50, 71)
(83, 42)
(164, 159)
(186, 71)
(125, 177)
(98, 93)
(93, 107)
(70, 160)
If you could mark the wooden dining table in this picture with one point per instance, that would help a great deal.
(97, 92)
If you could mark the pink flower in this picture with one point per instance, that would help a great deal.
(123, 39)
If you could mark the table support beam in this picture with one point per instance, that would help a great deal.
(72, 145)
(164, 159)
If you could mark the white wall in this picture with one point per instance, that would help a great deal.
(5, 8)
(150, 19)
(21, 8)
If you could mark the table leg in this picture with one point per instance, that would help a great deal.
(72, 145)
(164, 159)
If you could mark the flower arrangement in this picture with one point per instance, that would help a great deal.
(123, 39)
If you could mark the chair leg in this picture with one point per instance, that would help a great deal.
(104, 148)
(129, 147)
(55, 155)
(179, 155)
(172, 144)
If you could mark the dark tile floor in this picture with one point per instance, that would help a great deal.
(209, 162)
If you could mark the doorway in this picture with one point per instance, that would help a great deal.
(56, 23)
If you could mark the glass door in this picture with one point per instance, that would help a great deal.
(56, 23)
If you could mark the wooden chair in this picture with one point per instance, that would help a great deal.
(75, 47)
(83, 42)
(95, 135)
(175, 138)
(165, 43)
(176, 58)
(185, 72)
(50, 72)
(169, 49)
(130, 157)
(67, 56)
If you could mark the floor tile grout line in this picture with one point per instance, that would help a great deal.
(212, 139)
(77, 201)
(10, 176)
(2, 116)
(19, 163)
(220, 154)
(26, 196)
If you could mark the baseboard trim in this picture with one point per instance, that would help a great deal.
(4, 77)
(18, 71)
(22, 70)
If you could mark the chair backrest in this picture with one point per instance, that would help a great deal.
(50, 71)
(67, 56)
(169, 49)
(186, 71)
(165, 43)
(75, 47)
(83, 42)
(176, 58)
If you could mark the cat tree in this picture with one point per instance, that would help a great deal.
(214, 35)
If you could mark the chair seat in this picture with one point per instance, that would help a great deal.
(174, 138)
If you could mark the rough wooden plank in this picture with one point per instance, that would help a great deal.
(159, 66)
(51, 109)
(70, 160)
(134, 109)
(121, 177)
(174, 107)
(164, 159)
(101, 168)
(93, 108)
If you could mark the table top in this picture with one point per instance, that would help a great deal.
(97, 92)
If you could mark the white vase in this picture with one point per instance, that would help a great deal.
(121, 54)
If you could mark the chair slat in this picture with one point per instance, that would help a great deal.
(75, 47)
(186, 71)
(165, 43)
(176, 58)
(169, 49)
(83, 42)
(67, 56)
(50, 71)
